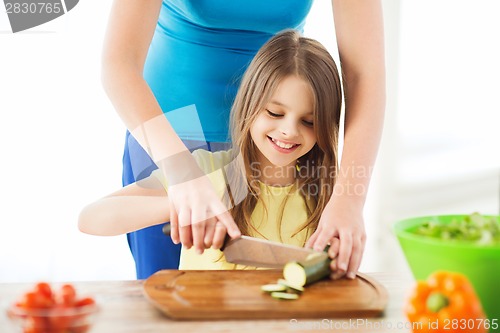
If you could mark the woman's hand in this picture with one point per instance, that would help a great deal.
(198, 217)
(361, 51)
(342, 227)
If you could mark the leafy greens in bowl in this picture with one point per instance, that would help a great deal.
(474, 228)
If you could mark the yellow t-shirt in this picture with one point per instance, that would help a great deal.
(265, 218)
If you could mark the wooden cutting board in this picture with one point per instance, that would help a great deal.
(191, 295)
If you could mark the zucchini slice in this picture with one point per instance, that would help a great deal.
(285, 296)
(269, 288)
(302, 273)
(289, 286)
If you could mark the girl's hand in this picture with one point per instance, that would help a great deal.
(341, 226)
(198, 217)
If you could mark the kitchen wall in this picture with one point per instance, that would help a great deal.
(61, 141)
(440, 151)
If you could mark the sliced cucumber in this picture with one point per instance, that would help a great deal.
(295, 274)
(285, 296)
(307, 271)
(291, 286)
(269, 288)
(299, 274)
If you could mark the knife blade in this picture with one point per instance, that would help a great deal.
(257, 252)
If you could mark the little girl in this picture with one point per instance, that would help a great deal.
(279, 175)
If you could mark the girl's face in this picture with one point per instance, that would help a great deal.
(283, 130)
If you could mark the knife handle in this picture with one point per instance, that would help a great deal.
(166, 230)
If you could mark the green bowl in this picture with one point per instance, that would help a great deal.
(480, 263)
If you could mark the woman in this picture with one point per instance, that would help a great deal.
(189, 65)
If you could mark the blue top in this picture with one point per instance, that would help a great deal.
(199, 51)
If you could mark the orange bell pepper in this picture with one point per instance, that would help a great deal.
(446, 302)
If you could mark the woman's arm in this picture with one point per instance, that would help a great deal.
(192, 201)
(360, 38)
(139, 205)
(130, 30)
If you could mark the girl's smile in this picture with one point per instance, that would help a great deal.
(283, 146)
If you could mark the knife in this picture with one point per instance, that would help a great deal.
(257, 252)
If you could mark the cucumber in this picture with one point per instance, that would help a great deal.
(298, 274)
(290, 286)
(285, 296)
(302, 273)
(269, 288)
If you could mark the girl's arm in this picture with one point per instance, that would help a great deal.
(360, 38)
(137, 206)
(130, 30)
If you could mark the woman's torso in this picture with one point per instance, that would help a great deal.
(202, 47)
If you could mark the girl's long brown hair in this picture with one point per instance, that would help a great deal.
(287, 53)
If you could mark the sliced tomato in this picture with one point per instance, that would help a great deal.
(68, 295)
(44, 289)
